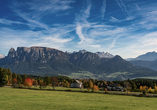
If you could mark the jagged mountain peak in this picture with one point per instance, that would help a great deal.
(82, 51)
(104, 55)
(11, 49)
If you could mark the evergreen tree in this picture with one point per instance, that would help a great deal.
(3, 77)
(14, 75)
(19, 80)
(133, 86)
(47, 80)
(24, 77)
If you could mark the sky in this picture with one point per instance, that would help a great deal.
(121, 27)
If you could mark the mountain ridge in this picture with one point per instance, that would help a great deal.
(49, 61)
(149, 56)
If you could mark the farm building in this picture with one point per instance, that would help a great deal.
(114, 87)
(76, 84)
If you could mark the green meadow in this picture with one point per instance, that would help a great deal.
(26, 99)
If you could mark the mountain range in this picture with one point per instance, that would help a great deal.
(44, 61)
(148, 60)
(150, 56)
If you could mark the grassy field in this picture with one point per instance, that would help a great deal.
(24, 99)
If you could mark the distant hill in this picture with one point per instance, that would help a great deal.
(150, 56)
(148, 60)
(2, 56)
(49, 61)
(148, 64)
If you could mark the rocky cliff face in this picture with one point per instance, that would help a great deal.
(36, 54)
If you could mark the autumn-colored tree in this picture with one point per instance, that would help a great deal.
(127, 85)
(95, 87)
(54, 82)
(14, 82)
(144, 87)
(9, 76)
(141, 88)
(65, 83)
(42, 84)
(90, 84)
(106, 90)
(35, 83)
(155, 90)
(150, 90)
(28, 82)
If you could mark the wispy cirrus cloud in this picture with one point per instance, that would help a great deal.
(9, 22)
(54, 35)
(82, 23)
(40, 8)
(79, 33)
(123, 7)
(103, 9)
(122, 27)
(137, 6)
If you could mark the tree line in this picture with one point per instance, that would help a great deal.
(13, 79)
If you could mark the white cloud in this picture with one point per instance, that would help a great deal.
(9, 22)
(103, 9)
(17, 38)
(138, 8)
(113, 19)
(56, 39)
(149, 39)
(79, 33)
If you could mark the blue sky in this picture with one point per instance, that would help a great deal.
(121, 27)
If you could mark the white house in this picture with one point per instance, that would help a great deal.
(76, 84)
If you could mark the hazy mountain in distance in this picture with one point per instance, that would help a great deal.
(129, 59)
(150, 56)
(2, 56)
(104, 55)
